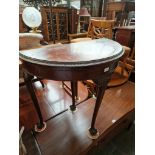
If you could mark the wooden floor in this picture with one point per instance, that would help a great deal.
(52, 100)
(66, 134)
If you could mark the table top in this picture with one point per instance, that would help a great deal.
(74, 54)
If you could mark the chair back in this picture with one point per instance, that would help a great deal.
(100, 28)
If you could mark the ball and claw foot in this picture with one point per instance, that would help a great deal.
(92, 133)
(73, 108)
(40, 128)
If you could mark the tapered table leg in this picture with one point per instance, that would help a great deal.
(77, 98)
(101, 87)
(41, 126)
(42, 84)
(74, 93)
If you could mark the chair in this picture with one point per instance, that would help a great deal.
(99, 29)
(122, 71)
(28, 41)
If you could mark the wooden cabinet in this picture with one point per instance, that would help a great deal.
(22, 27)
(57, 27)
(125, 35)
(64, 21)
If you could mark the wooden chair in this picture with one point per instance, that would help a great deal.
(122, 71)
(97, 29)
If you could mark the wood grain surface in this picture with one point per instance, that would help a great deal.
(66, 134)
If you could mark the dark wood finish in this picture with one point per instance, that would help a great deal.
(125, 35)
(99, 28)
(59, 23)
(22, 27)
(72, 20)
(100, 8)
(74, 94)
(53, 100)
(101, 87)
(74, 62)
(27, 79)
(65, 134)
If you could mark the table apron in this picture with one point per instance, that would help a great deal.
(70, 73)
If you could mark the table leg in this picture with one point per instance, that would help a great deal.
(74, 94)
(41, 126)
(63, 85)
(101, 87)
(42, 84)
(77, 98)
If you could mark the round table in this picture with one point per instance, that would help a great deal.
(94, 59)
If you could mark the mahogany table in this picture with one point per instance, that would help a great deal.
(95, 60)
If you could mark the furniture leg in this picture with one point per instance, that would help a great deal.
(42, 84)
(74, 93)
(77, 98)
(101, 87)
(34, 80)
(41, 126)
(62, 84)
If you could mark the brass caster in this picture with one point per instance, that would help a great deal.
(94, 136)
(94, 97)
(37, 129)
(77, 98)
(62, 86)
(73, 109)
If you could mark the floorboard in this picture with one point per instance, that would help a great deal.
(66, 134)
(52, 100)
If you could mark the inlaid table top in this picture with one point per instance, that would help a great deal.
(74, 54)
